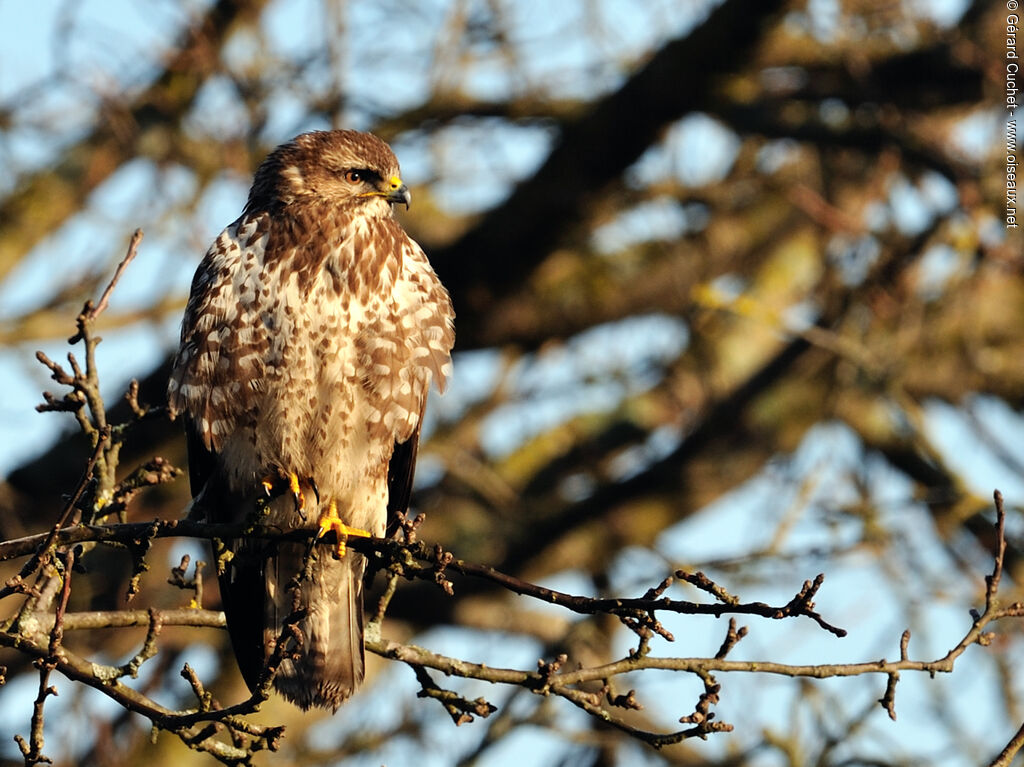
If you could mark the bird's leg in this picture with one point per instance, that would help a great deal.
(329, 520)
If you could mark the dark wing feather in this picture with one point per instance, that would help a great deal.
(244, 599)
(400, 474)
(202, 461)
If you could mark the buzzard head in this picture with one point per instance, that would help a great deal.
(344, 168)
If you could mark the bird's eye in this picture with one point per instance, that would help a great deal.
(353, 176)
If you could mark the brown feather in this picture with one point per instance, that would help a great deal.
(312, 333)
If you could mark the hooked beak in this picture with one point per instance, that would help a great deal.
(398, 192)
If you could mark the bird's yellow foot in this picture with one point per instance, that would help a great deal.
(297, 494)
(329, 520)
(276, 484)
(269, 482)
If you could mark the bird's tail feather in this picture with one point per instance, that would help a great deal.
(258, 590)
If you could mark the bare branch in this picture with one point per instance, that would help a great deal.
(94, 311)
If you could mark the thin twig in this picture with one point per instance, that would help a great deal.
(1005, 756)
(45, 547)
(436, 565)
(92, 312)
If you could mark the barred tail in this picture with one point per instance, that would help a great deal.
(258, 595)
(329, 667)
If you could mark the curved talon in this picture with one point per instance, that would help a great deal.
(268, 483)
(296, 488)
(276, 484)
(329, 520)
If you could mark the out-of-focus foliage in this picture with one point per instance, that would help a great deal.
(734, 292)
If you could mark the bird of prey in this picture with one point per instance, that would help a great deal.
(314, 328)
